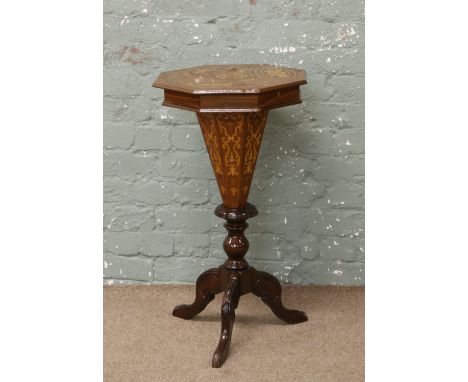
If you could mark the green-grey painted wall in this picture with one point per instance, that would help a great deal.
(159, 189)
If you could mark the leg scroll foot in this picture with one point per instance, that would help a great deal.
(207, 287)
(269, 289)
(230, 301)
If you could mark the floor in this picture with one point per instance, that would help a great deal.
(143, 342)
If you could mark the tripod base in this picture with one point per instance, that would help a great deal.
(235, 283)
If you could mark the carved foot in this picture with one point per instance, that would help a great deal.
(230, 301)
(207, 287)
(269, 289)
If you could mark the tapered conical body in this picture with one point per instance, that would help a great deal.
(233, 140)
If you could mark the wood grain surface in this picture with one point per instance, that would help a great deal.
(222, 79)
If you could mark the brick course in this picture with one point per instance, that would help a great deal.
(159, 189)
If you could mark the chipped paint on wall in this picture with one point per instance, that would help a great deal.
(159, 190)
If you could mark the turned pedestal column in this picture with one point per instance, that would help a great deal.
(232, 103)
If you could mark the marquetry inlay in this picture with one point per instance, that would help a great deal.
(233, 142)
(244, 78)
(232, 103)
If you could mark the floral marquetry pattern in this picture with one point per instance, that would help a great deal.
(233, 142)
(231, 129)
(255, 127)
(209, 133)
(241, 78)
(232, 103)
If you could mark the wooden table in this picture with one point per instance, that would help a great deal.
(232, 103)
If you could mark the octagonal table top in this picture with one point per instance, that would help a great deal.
(230, 79)
(231, 88)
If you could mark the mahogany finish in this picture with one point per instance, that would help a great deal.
(230, 79)
(239, 88)
(233, 141)
(232, 103)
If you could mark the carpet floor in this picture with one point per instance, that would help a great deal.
(143, 342)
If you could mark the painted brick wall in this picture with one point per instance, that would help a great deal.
(159, 188)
